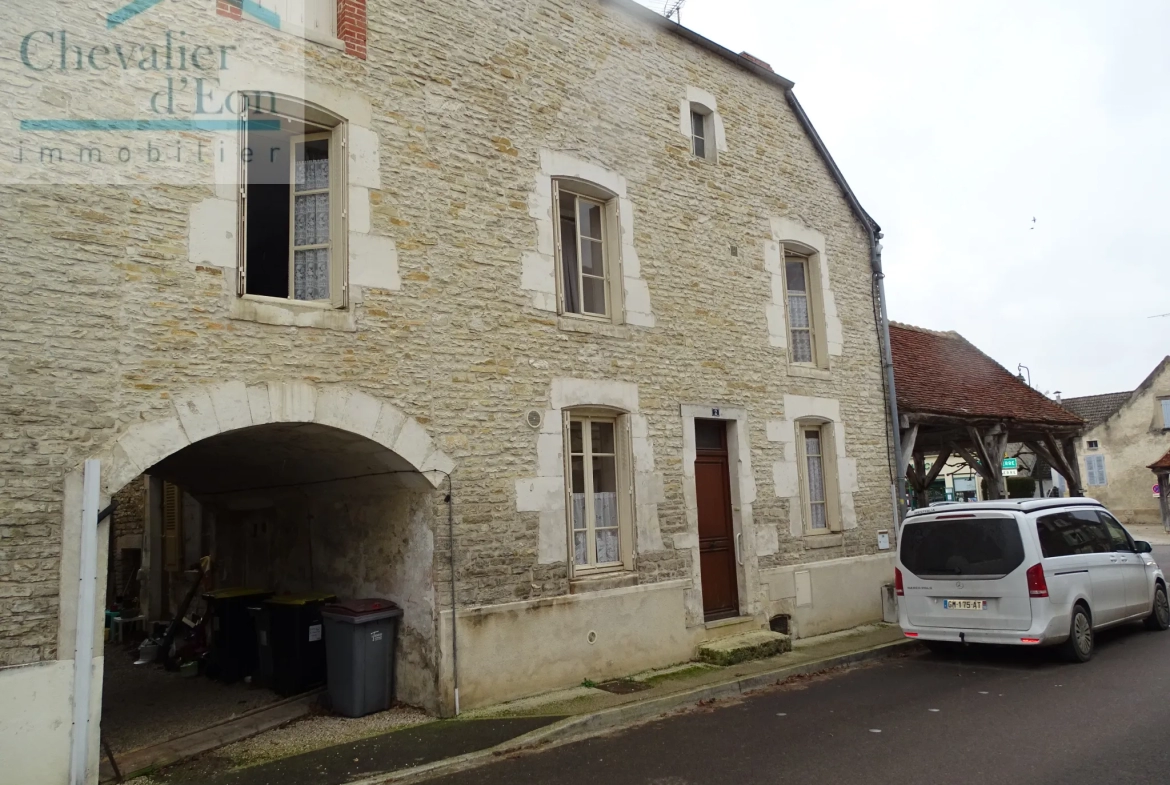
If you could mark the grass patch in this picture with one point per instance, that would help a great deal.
(682, 673)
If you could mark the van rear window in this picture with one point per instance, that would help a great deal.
(985, 547)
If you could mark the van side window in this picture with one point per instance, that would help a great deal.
(1119, 539)
(1072, 532)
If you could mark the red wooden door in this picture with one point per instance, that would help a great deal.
(717, 564)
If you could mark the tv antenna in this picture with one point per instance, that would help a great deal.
(1159, 315)
(673, 8)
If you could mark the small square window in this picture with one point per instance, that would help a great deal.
(1091, 444)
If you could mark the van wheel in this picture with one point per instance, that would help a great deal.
(1159, 618)
(1079, 647)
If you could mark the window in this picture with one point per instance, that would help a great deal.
(1071, 533)
(293, 215)
(975, 548)
(308, 17)
(818, 480)
(1165, 404)
(1091, 444)
(586, 233)
(701, 129)
(599, 492)
(800, 323)
(1095, 469)
(1119, 538)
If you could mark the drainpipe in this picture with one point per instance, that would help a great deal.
(875, 236)
(451, 562)
(888, 368)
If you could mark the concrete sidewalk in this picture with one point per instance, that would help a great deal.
(442, 747)
(1154, 534)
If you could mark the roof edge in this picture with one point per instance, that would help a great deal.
(660, 21)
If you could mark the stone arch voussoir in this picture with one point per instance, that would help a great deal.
(204, 411)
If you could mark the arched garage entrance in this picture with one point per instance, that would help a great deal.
(286, 487)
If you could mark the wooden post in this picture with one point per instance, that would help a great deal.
(921, 483)
(1069, 447)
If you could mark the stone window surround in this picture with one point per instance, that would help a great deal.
(829, 471)
(752, 541)
(546, 492)
(786, 473)
(538, 274)
(827, 329)
(701, 101)
(213, 223)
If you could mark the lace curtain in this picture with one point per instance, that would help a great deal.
(605, 524)
(311, 227)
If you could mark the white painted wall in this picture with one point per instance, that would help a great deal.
(36, 719)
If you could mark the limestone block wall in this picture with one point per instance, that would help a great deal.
(1131, 440)
(121, 303)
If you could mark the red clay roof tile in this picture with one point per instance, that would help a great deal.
(943, 373)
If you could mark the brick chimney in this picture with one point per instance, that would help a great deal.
(756, 60)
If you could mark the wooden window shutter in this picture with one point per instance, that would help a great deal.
(339, 198)
(242, 204)
(558, 263)
(172, 527)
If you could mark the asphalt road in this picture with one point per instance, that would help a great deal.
(1004, 716)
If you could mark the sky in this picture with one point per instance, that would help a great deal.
(956, 124)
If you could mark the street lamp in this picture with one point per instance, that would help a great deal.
(1020, 374)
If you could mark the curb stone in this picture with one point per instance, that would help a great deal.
(583, 726)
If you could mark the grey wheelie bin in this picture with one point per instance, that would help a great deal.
(361, 637)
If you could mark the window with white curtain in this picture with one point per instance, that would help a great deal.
(293, 222)
(818, 470)
(598, 492)
(802, 346)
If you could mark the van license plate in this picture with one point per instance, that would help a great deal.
(965, 605)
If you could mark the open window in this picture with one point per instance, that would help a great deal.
(598, 491)
(587, 241)
(818, 477)
(293, 202)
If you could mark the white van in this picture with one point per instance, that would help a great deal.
(1031, 572)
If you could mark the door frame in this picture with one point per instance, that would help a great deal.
(743, 495)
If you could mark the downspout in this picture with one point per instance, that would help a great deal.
(898, 486)
(451, 562)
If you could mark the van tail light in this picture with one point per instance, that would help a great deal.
(911, 635)
(898, 589)
(1037, 585)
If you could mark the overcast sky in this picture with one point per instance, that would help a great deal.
(956, 124)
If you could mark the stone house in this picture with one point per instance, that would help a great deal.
(550, 314)
(1124, 434)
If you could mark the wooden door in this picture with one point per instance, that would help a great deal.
(717, 562)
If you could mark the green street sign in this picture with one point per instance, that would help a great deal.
(1010, 463)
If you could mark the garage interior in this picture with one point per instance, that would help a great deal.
(280, 517)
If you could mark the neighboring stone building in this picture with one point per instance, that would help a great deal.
(1124, 434)
(556, 293)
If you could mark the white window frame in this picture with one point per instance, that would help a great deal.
(312, 20)
(1092, 444)
(814, 298)
(1095, 474)
(610, 249)
(828, 458)
(623, 466)
(706, 132)
(1165, 405)
(334, 128)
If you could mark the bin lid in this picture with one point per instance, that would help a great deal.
(362, 607)
(232, 593)
(304, 598)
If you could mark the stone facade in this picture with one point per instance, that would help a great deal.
(123, 317)
(1129, 440)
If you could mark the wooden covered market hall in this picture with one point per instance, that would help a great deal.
(955, 400)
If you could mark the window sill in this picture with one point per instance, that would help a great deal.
(810, 372)
(827, 540)
(602, 581)
(288, 313)
(302, 33)
(571, 324)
